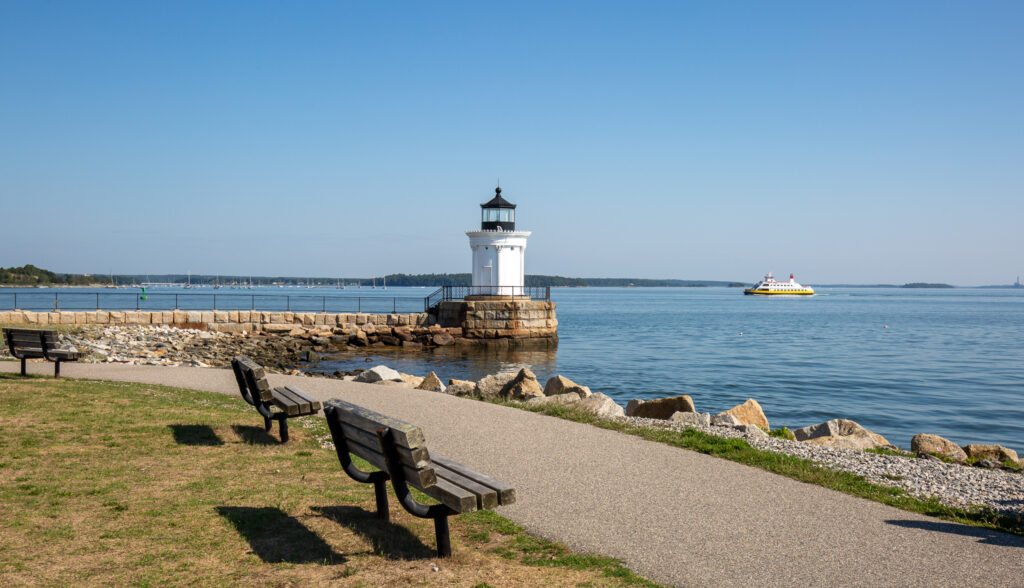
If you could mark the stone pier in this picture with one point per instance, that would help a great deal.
(495, 321)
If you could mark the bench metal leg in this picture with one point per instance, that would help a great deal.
(267, 423)
(380, 490)
(23, 367)
(438, 512)
(283, 428)
(444, 541)
(56, 369)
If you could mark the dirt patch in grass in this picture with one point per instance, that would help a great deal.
(116, 483)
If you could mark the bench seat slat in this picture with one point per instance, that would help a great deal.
(20, 352)
(307, 403)
(405, 435)
(64, 354)
(506, 494)
(421, 478)
(414, 458)
(292, 404)
(458, 499)
(486, 497)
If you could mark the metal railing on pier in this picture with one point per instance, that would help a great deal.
(45, 302)
(461, 292)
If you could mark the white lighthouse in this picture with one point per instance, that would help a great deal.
(499, 251)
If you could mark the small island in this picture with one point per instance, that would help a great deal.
(925, 285)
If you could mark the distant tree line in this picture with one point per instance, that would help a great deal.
(30, 275)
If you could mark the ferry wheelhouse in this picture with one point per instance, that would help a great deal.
(770, 287)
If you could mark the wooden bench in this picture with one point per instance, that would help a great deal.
(37, 343)
(290, 401)
(399, 450)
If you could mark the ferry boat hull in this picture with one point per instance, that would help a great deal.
(754, 292)
(770, 287)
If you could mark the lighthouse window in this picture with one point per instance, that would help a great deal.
(505, 214)
(491, 215)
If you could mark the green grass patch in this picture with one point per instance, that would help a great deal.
(804, 470)
(109, 483)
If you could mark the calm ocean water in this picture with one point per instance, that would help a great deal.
(951, 362)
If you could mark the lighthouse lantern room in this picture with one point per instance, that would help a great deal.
(499, 251)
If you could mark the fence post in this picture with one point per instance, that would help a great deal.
(97, 301)
(252, 302)
(137, 302)
(56, 302)
(288, 303)
(394, 305)
(323, 299)
(359, 304)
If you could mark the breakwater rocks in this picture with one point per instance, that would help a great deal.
(489, 323)
(839, 444)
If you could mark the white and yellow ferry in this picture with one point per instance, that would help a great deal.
(770, 287)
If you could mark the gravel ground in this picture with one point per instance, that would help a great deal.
(951, 484)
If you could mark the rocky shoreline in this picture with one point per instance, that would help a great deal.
(936, 468)
(839, 445)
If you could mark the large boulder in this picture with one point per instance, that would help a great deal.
(492, 385)
(996, 453)
(935, 445)
(358, 339)
(411, 380)
(562, 385)
(725, 419)
(749, 413)
(522, 387)
(751, 431)
(461, 388)
(431, 382)
(381, 373)
(602, 406)
(659, 408)
(692, 419)
(841, 433)
(567, 399)
(442, 339)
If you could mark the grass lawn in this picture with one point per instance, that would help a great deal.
(116, 483)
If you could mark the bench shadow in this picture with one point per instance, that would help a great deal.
(195, 435)
(254, 435)
(387, 539)
(988, 536)
(276, 537)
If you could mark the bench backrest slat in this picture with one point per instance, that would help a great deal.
(405, 434)
(414, 458)
(30, 342)
(243, 385)
(419, 478)
(255, 378)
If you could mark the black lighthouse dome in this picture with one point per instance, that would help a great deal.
(497, 214)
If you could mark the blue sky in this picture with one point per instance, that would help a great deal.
(845, 142)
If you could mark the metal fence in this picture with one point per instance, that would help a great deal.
(193, 301)
(461, 292)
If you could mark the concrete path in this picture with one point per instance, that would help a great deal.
(672, 515)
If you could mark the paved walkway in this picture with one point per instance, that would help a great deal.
(672, 515)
